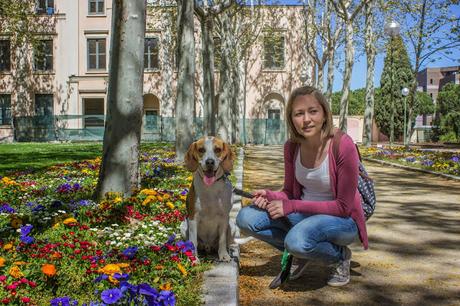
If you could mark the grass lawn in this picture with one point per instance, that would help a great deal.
(35, 156)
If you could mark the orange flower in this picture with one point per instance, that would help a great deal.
(110, 269)
(49, 270)
(8, 246)
(70, 221)
(2, 262)
(166, 286)
(182, 269)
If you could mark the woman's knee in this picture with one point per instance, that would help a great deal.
(299, 246)
(245, 219)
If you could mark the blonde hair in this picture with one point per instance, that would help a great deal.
(327, 127)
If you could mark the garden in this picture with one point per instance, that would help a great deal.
(59, 247)
(436, 161)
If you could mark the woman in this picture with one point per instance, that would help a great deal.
(318, 212)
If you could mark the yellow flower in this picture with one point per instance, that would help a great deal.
(159, 198)
(148, 192)
(111, 269)
(16, 222)
(182, 269)
(148, 200)
(15, 272)
(166, 286)
(183, 198)
(8, 246)
(166, 196)
(56, 225)
(117, 200)
(170, 205)
(123, 265)
(2, 262)
(70, 221)
(85, 171)
(113, 280)
(190, 178)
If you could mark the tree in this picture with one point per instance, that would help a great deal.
(185, 103)
(343, 11)
(397, 74)
(448, 110)
(431, 31)
(356, 103)
(119, 171)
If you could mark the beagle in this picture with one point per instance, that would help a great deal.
(209, 199)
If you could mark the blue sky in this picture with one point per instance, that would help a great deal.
(358, 79)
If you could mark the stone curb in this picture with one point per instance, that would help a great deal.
(383, 162)
(220, 286)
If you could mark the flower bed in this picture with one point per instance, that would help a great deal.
(443, 162)
(58, 247)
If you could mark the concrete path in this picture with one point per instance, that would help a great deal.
(414, 237)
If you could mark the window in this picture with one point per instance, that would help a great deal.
(151, 50)
(274, 116)
(5, 55)
(273, 51)
(44, 7)
(151, 119)
(43, 55)
(96, 53)
(44, 105)
(431, 81)
(95, 7)
(5, 109)
(94, 112)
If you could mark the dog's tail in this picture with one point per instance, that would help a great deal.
(244, 240)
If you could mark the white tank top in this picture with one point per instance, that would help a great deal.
(315, 181)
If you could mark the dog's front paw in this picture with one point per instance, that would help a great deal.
(224, 257)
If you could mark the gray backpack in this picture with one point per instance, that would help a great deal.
(365, 183)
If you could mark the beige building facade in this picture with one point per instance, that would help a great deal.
(59, 84)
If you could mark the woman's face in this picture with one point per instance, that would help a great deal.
(308, 116)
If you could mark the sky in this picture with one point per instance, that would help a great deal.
(358, 79)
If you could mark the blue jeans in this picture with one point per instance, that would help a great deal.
(314, 237)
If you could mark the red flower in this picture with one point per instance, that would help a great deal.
(32, 284)
(25, 299)
(6, 301)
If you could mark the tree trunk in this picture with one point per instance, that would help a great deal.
(167, 65)
(119, 170)
(330, 75)
(184, 115)
(208, 74)
(225, 83)
(370, 56)
(349, 53)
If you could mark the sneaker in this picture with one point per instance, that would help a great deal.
(298, 267)
(341, 273)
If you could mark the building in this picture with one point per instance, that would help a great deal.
(56, 88)
(431, 81)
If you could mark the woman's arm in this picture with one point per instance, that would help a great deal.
(347, 186)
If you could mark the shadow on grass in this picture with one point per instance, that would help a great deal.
(37, 156)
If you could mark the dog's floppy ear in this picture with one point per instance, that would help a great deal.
(227, 162)
(190, 162)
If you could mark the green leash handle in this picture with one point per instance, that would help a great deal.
(283, 276)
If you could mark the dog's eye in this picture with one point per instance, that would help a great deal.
(201, 150)
(217, 150)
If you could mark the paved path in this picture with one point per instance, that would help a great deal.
(414, 237)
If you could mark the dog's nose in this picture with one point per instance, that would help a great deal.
(210, 162)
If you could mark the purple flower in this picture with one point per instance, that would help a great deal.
(130, 252)
(27, 239)
(101, 278)
(455, 159)
(171, 239)
(7, 209)
(146, 290)
(25, 230)
(62, 301)
(64, 188)
(38, 208)
(185, 246)
(410, 159)
(167, 297)
(111, 296)
(427, 162)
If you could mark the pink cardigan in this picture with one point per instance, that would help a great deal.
(344, 184)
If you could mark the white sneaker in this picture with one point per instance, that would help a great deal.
(341, 274)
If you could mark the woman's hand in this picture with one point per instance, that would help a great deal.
(260, 198)
(275, 209)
